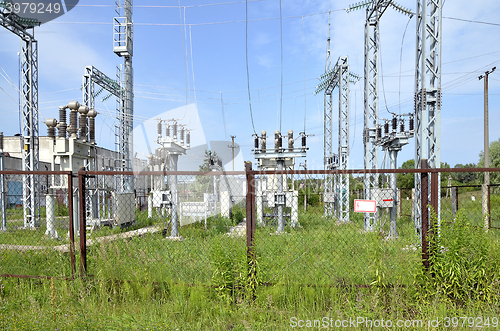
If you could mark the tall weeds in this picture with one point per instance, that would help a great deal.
(464, 264)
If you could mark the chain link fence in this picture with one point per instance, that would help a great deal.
(224, 229)
(36, 237)
(177, 228)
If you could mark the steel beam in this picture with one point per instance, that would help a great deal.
(427, 97)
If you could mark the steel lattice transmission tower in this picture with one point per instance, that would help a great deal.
(336, 191)
(427, 96)
(374, 11)
(328, 130)
(91, 78)
(29, 94)
(123, 47)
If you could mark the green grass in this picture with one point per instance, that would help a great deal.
(201, 283)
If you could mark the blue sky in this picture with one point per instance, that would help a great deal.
(201, 46)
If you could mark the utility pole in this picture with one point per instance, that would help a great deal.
(486, 148)
(232, 147)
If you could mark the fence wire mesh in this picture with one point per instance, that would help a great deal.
(192, 227)
(35, 231)
(309, 233)
(175, 227)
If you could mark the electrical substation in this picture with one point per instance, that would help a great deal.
(71, 145)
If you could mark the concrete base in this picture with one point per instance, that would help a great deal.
(175, 238)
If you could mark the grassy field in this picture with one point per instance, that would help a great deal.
(321, 269)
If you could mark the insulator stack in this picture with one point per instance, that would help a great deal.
(394, 123)
(159, 128)
(167, 130)
(61, 127)
(1, 141)
(83, 127)
(182, 135)
(402, 126)
(256, 143)
(386, 127)
(92, 129)
(174, 131)
(412, 123)
(304, 141)
(379, 132)
(263, 141)
(73, 123)
(276, 141)
(51, 132)
(91, 115)
(188, 139)
(290, 140)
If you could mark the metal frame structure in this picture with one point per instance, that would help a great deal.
(123, 47)
(173, 144)
(392, 142)
(92, 77)
(336, 191)
(329, 157)
(29, 92)
(374, 11)
(427, 96)
(276, 159)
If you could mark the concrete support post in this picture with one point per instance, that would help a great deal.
(454, 201)
(393, 233)
(50, 212)
(400, 204)
(280, 197)
(150, 205)
(295, 209)
(225, 204)
(484, 202)
(215, 195)
(175, 198)
(260, 209)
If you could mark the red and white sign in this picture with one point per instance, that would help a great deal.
(365, 206)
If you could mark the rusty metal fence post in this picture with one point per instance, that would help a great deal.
(82, 223)
(250, 227)
(424, 180)
(71, 228)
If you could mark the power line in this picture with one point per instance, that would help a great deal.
(401, 62)
(206, 23)
(471, 21)
(246, 60)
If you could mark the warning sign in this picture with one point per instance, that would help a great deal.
(365, 206)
